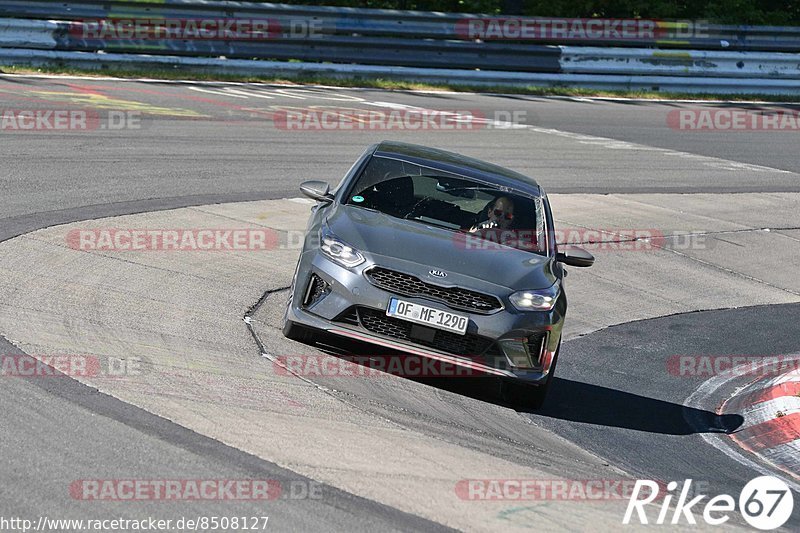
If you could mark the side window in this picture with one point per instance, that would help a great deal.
(355, 168)
(381, 169)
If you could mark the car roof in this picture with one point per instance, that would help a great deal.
(457, 164)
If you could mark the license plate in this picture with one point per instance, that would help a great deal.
(422, 314)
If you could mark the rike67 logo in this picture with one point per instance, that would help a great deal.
(765, 503)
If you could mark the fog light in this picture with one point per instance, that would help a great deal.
(516, 351)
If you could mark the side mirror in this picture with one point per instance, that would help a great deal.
(575, 256)
(317, 190)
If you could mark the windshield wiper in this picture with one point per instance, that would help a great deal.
(481, 188)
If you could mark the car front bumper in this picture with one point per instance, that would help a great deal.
(350, 288)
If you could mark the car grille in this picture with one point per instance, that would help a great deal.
(455, 297)
(377, 322)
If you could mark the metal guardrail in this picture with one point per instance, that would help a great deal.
(28, 33)
(69, 36)
(697, 63)
(382, 22)
(339, 49)
(383, 41)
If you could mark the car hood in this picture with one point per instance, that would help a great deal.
(377, 234)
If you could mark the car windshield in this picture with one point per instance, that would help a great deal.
(482, 215)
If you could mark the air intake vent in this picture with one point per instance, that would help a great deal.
(318, 288)
(536, 344)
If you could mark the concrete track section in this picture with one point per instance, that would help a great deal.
(162, 330)
(133, 448)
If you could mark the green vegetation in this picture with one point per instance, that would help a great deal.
(766, 12)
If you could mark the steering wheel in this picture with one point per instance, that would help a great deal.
(418, 207)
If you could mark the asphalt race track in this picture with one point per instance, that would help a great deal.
(195, 144)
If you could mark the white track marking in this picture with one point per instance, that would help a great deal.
(247, 94)
(271, 92)
(219, 93)
(283, 92)
(320, 94)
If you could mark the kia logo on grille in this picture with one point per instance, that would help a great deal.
(438, 273)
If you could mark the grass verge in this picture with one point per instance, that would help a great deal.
(379, 83)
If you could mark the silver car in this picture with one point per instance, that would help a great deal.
(439, 255)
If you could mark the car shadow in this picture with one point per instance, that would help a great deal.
(585, 403)
(579, 402)
(592, 404)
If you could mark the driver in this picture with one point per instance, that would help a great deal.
(501, 215)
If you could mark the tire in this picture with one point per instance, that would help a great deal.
(524, 396)
(296, 332)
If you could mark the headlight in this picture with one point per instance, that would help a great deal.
(339, 251)
(536, 300)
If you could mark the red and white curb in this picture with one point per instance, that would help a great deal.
(768, 440)
(771, 428)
